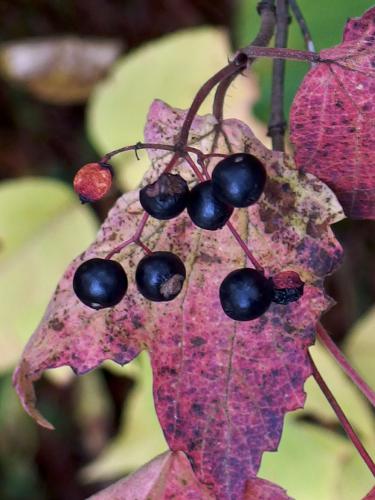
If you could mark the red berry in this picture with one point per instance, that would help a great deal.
(93, 181)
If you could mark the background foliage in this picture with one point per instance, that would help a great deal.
(106, 424)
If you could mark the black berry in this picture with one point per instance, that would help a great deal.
(160, 276)
(165, 198)
(288, 287)
(100, 283)
(245, 294)
(205, 210)
(239, 179)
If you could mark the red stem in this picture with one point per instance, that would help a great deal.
(345, 365)
(341, 416)
(244, 247)
(233, 67)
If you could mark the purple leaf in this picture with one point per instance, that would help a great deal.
(221, 387)
(333, 117)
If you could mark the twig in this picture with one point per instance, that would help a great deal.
(277, 123)
(302, 25)
(341, 416)
(345, 365)
(274, 53)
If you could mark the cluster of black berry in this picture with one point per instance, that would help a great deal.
(237, 181)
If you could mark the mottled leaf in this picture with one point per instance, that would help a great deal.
(170, 476)
(333, 118)
(221, 388)
(61, 70)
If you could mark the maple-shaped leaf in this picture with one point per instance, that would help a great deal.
(170, 476)
(332, 118)
(221, 387)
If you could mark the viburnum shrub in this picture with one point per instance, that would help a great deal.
(217, 266)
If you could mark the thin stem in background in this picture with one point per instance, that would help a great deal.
(277, 123)
(345, 365)
(341, 416)
(302, 25)
(266, 10)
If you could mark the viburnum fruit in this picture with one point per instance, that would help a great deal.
(100, 283)
(160, 276)
(205, 210)
(288, 287)
(245, 294)
(93, 181)
(239, 179)
(165, 198)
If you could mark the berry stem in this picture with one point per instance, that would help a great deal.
(195, 169)
(345, 365)
(138, 233)
(238, 64)
(136, 147)
(342, 418)
(244, 247)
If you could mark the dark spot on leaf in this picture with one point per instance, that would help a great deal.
(197, 409)
(197, 341)
(56, 324)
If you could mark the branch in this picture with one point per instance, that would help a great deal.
(345, 365)
(277, 123)
(341, 416)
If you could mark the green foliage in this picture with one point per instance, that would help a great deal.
(325, 21)
(42, 227)
(163, 69)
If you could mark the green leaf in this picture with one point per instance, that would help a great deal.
(350, 399)
(313, 463)
(171, 69)
(42, 227)
(140, 438)
(360, 347)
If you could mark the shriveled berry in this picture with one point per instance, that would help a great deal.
(245, 294)
(160, 276)
(288, 287)
(239, 179)
(205, 210)
(100, 283)
(165, 198)
(93, 181)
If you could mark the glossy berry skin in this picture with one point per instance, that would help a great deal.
(100, 283)
(205, 210)
(93, 181)
(160, 276)
(165, 198)
(285, 296)
(239, 180)
(245, 294)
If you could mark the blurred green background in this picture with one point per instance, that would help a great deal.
(76, 80)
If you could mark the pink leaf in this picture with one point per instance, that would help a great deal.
(333, 117)
(221, 387)
(370, 495)
(170, 476)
